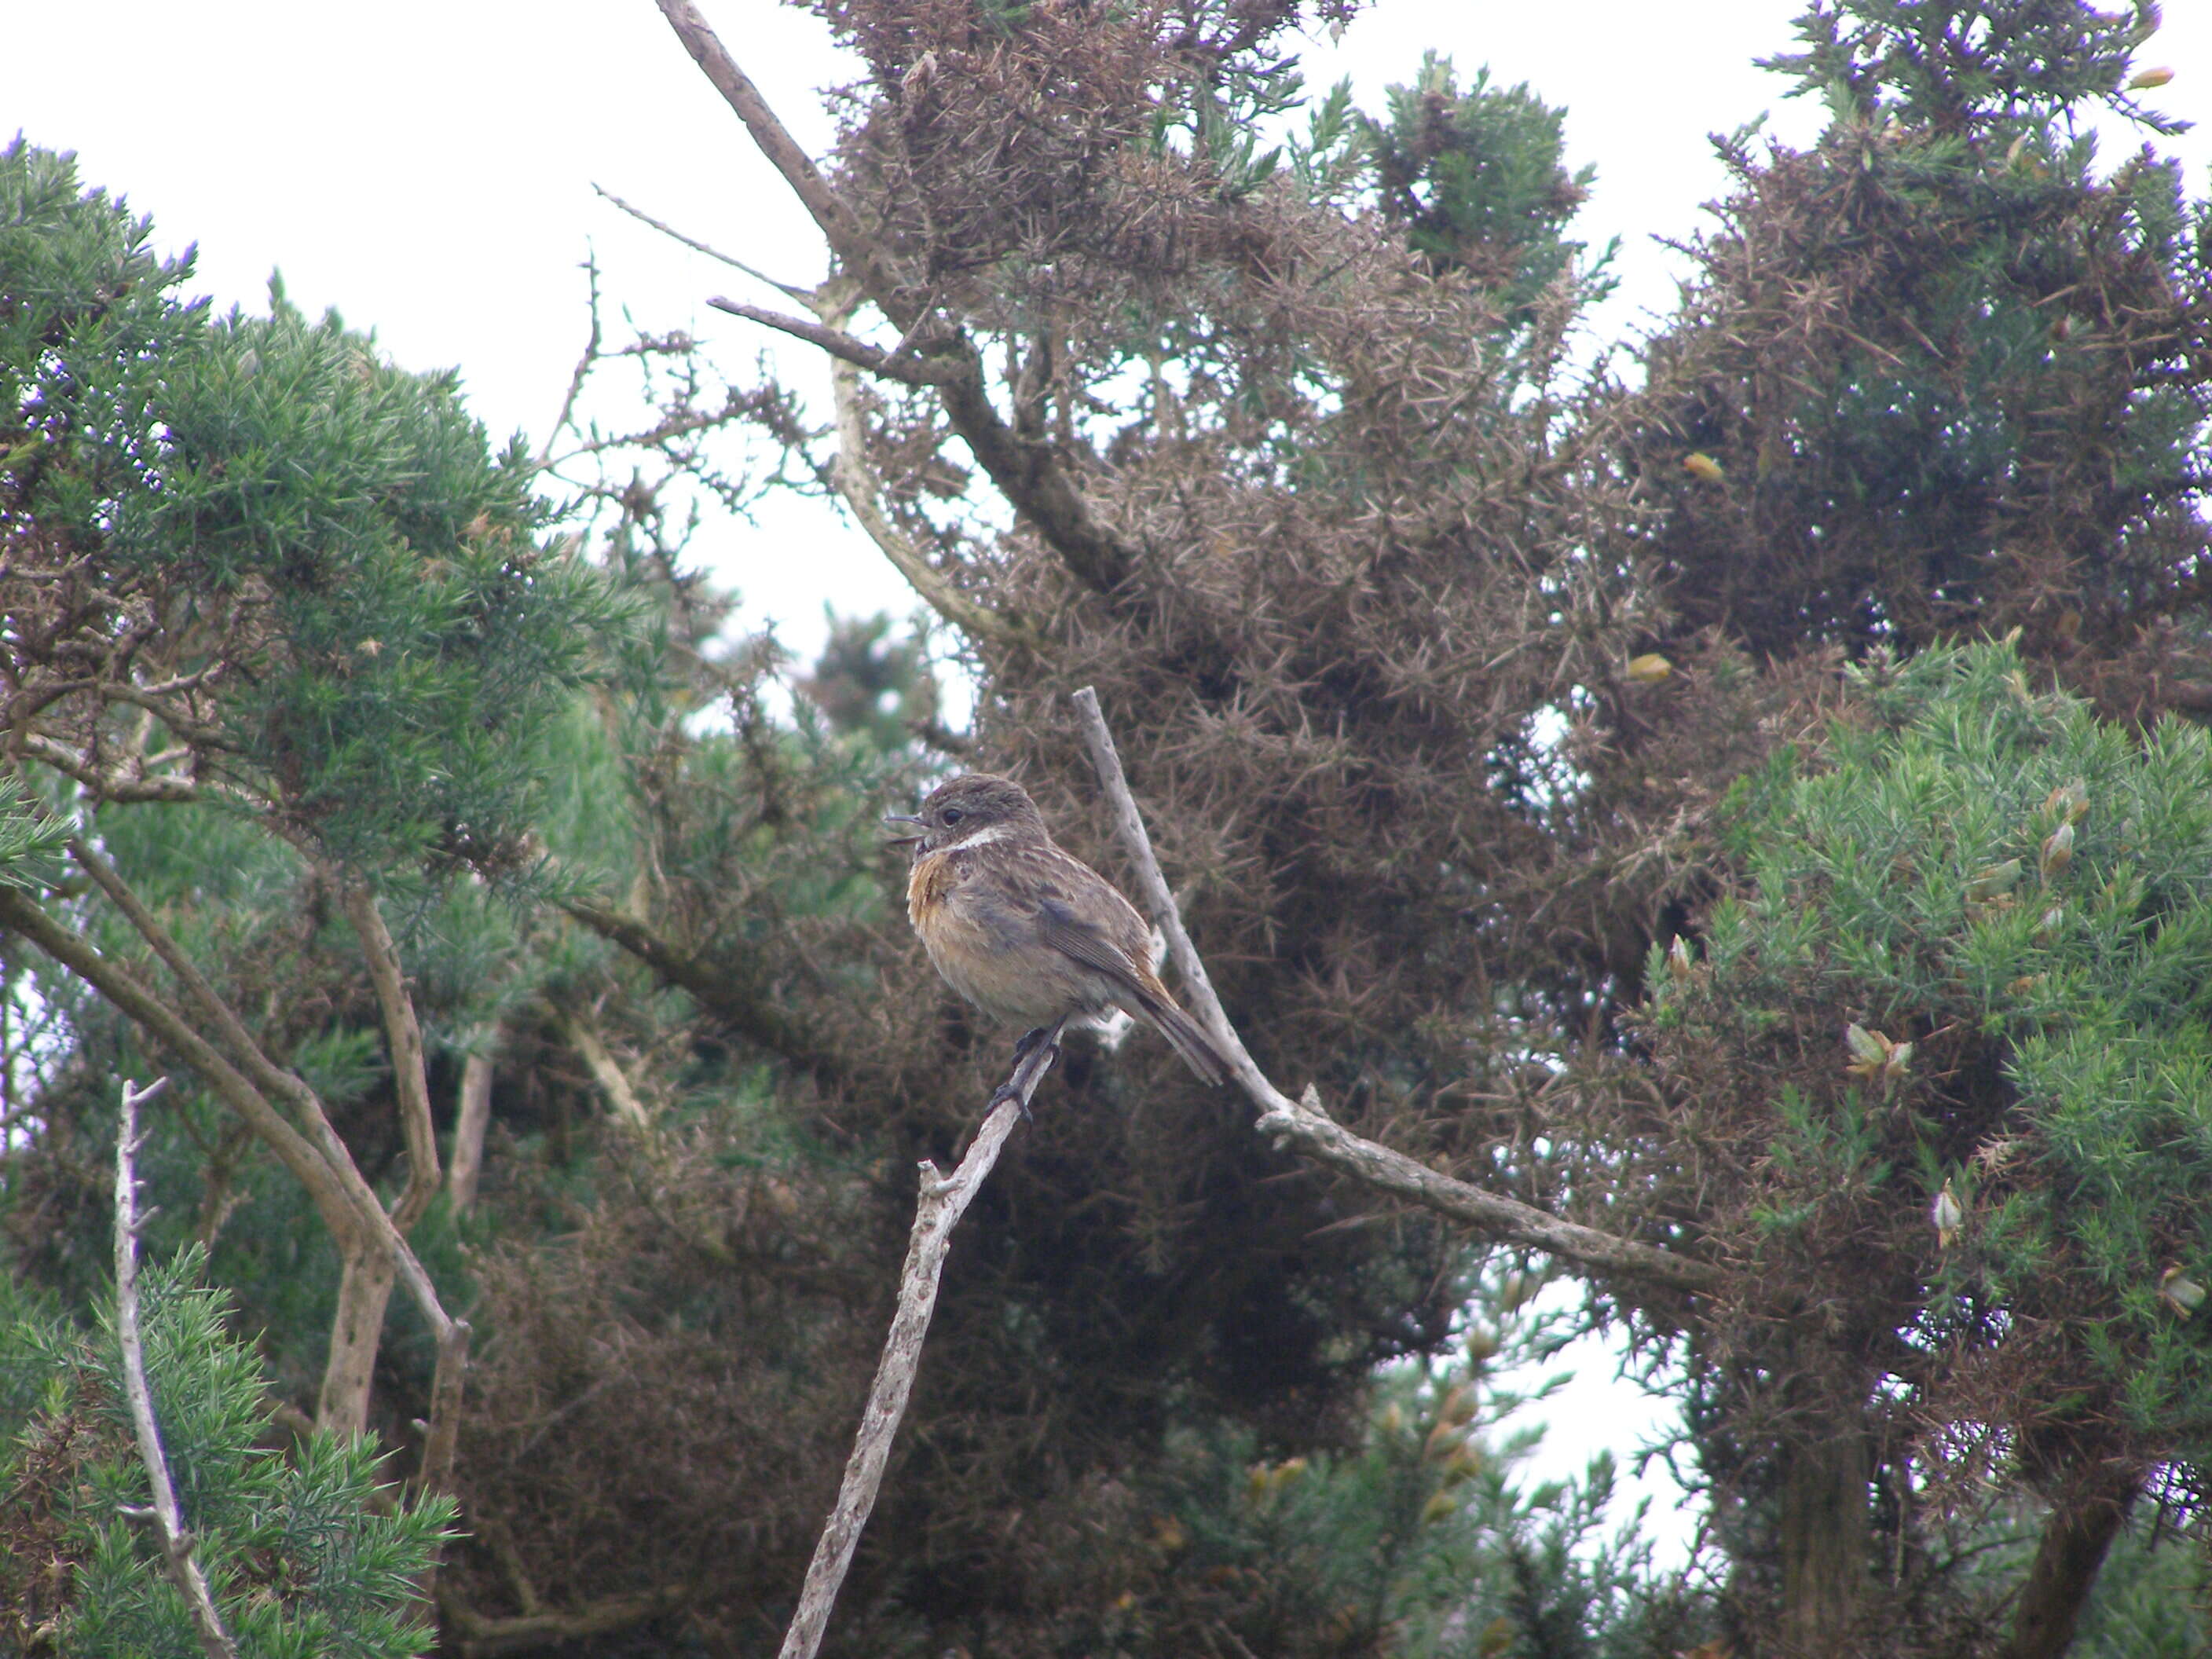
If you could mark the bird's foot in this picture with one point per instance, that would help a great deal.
(1042, 1036)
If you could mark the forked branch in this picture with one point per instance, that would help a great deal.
(1303, 1125)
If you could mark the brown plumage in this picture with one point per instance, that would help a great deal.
(1028, 933)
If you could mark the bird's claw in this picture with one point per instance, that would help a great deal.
(1006, 1091)
(1045, 1036)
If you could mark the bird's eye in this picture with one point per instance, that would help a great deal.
(953, 814)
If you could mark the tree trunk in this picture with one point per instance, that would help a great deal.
(2075, 1537)
(1824, 1541)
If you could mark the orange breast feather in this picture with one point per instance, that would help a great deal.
(927, 889)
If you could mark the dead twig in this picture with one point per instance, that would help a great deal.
(165, 1518)
(943, 1200)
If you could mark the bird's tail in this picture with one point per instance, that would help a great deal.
(1187, 1037)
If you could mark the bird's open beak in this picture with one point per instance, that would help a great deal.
(902, 841)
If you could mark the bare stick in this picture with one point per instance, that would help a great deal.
(910, 371)
(698, 246)
(1306, 1126)
(944, 1201)
(585, 364)
(168, 1520)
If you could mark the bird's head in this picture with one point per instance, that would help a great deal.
(972, 811)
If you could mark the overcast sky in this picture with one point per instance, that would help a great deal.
(426, 166)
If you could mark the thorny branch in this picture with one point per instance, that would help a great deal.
(168, 1520)
(1305, 1125)
(943, 1200)
(907, 371)
(862, 491)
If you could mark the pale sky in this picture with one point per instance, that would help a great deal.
(426, 166)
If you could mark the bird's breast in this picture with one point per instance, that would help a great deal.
(929, 889)
(985, 947)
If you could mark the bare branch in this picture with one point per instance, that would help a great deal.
(754, 1017)
(698, 246)
(19, 914)
(470, 1123)
(106, 785)
(1033, 476)
(168, 1520)
(584, 1037)
(483, 1637)
(582, 373)
(943, 1200)
(2077, 1536)
(441, 1432)
(345, 1200)
(1311, 1130)
(856, 249)
(907, 371)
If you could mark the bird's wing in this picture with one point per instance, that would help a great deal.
(1086, 942)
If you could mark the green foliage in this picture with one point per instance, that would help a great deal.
(871, 683)
(334, 579)
(1942, 357)
(31, 839)
(2022, 893)
(1955, 68)
(2150, 1599)
(1423, 1537)
(303, 1553)
(1475, 178)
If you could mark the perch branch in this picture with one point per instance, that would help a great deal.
(1304, 1124)
(943, 1200)
(168, 1520)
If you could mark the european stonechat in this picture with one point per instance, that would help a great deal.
(1028, 933)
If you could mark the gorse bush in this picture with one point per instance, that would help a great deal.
(305, 1550)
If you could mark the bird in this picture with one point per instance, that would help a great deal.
(1026, 931)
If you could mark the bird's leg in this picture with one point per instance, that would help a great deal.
(1046, 1037)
